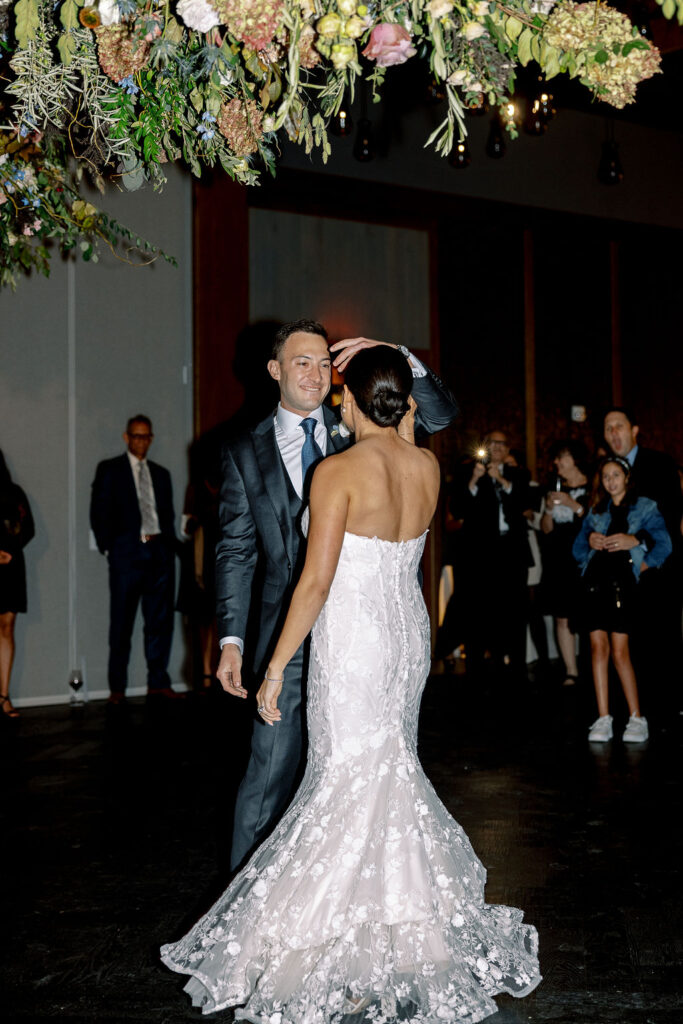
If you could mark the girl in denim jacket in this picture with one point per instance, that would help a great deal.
(621, 536)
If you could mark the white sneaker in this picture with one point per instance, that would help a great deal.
(601, 730)
(636, 731)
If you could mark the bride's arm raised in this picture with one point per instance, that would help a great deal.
(329, 504)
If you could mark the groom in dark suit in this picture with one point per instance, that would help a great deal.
(131, 514)
(260, 553)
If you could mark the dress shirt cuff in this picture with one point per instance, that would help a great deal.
(417, 367)
(232, 640)
(474, 491)
(507, 486)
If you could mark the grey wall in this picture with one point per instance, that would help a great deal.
(82, 351)
(345, 273)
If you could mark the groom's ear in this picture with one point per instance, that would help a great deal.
(274, 369)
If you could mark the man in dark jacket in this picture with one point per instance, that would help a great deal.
(653, 474)
(131, 514)
(490, 498)
(657, 648)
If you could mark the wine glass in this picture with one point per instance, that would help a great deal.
(76, 685)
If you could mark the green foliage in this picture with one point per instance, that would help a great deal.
(671, 9)
(27, 15)
(124, 100)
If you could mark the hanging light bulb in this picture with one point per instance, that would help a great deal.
(541, 112)
(341, 124)
(495, 144)
(508, 116)
(640, 17)
(364, 146)
(610, 168)
(460, 156)
(435, 91)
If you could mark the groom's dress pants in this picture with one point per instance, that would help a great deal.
(275, 765)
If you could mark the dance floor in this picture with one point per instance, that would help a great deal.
(115, 827)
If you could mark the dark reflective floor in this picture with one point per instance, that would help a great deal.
(115, 833)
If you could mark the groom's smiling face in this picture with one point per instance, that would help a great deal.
(303, 371)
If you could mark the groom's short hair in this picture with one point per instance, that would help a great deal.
(296, 326)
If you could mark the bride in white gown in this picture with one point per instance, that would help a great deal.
(367, 900)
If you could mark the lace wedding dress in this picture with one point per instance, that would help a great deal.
(367, 900)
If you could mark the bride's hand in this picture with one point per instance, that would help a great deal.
(266, 700)
(406, 428)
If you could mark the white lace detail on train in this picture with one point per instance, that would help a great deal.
(367, 900)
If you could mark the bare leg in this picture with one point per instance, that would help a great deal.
(622, 662)
(7, 620)
(566, 641)
(600, 663)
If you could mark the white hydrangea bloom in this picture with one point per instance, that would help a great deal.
(109, 12)
(198, 14)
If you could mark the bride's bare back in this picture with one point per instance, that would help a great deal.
(392, 487)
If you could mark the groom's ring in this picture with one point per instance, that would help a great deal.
(261, 709)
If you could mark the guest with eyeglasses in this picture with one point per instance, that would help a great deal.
(131, 514)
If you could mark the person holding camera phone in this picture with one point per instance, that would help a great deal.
(490, 498)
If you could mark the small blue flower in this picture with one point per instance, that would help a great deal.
(128, 83)
(205, 128)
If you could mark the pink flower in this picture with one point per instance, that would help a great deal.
(389, 44)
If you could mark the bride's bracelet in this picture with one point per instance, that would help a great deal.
(274, 679)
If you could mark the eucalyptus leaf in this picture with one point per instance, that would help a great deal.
(513, 27)
(67, 46)
(27, 21)
(524, 47)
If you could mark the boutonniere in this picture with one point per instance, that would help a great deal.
(340, 430)
(335, 431)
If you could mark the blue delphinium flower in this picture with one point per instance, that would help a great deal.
(205, 128)
(128, 83)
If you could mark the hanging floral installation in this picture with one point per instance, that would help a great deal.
(119, 88)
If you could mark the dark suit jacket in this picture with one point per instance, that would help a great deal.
(255, 555)
(480, 512)
(114, 508)
(655, 476)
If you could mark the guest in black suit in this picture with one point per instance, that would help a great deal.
(657, 647)
(260, 551)
(490, 497)
(131, 514)
(653, 474)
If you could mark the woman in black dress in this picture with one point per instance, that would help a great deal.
(563, 513)
(16, 530)
(622, 536)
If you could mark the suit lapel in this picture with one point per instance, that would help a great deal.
(128, 479)
(336, 443)
(273, 473)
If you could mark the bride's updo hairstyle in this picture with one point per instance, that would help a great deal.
(380, 381)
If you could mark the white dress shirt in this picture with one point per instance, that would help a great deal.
(135, 464)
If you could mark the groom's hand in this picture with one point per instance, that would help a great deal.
(229, 671)
(348, 347)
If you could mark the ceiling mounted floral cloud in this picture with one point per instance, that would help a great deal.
(125, 86)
